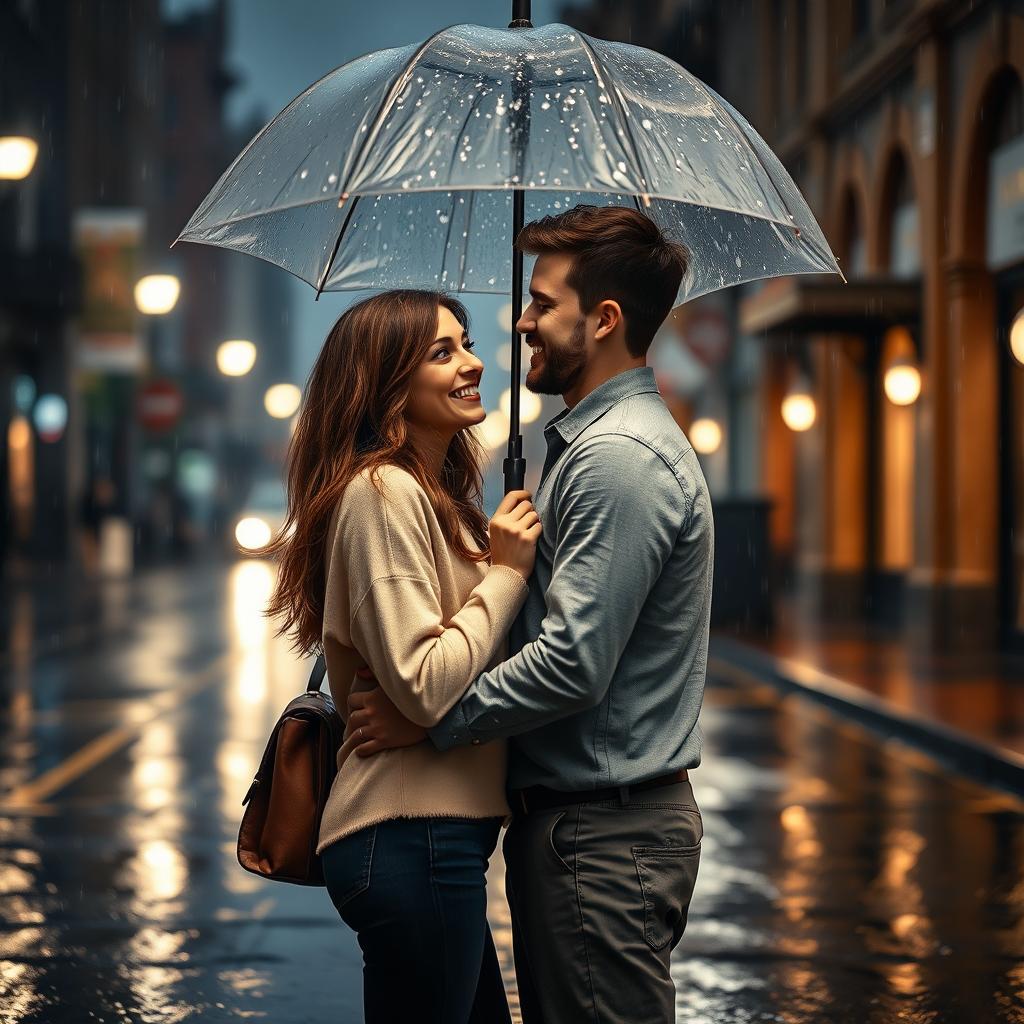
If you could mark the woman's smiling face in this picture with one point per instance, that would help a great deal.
(444, 392)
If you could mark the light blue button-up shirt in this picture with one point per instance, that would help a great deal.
(609, 653)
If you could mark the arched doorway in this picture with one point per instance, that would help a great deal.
(899, 253)
(1003, 111)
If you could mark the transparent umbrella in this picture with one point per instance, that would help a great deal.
(416, 167)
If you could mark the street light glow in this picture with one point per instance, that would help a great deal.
(19, 434)
(902, 383)
(17, 156)
(493, 432)
(705, 436)
(157, 294)
(1017, 337)
(529, 405)
(282, 400)
(235, 358)
(798, 411)
(252, 532)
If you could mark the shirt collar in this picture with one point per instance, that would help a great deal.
(570, 423)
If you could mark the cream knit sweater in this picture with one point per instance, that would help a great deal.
(427, 622)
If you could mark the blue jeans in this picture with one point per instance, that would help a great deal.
(414, 892)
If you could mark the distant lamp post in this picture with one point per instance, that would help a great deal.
(1017, 337)
(236, 358)
(17, 156)
(529, 405)
(902, 381)
(798, 409)
(157, 294)
(705, 436)
(282, 400)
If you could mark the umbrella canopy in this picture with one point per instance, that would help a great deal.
(417, 166)
(399, 168)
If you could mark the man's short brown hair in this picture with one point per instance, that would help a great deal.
(618, 254)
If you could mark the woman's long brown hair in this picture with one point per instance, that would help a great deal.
(352, 419)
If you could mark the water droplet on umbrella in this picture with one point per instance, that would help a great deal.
(646, 122)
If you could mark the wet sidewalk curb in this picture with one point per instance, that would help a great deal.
(983, 762)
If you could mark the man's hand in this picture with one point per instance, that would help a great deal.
(377, 722)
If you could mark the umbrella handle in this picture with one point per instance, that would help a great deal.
(515, 467)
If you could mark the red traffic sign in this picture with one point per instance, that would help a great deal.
(160, 405)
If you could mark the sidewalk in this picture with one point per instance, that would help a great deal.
(964, 709)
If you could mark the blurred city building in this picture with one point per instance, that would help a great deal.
(123, 438)
(880, 421)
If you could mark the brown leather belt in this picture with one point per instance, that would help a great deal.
(539, 798)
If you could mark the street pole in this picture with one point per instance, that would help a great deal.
(515, 465)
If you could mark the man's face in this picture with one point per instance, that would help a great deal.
(554, 328)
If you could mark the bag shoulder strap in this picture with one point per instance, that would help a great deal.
(316, 677)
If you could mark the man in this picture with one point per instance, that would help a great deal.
(601, 693)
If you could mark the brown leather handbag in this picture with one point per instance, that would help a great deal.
(281, 822)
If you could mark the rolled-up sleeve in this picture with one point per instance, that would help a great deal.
(618, 508)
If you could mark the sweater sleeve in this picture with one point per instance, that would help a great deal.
(423, 663)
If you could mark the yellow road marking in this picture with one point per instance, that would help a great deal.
(33, 793)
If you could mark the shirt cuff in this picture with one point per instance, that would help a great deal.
(452, 731)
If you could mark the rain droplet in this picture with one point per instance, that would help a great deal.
(559, 72)
(739, 262)
(428, 132)
(304, 174)
(646, 122)
(545, 105)
(331, 179)
(443, 218)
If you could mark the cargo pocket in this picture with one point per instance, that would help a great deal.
(667, 876)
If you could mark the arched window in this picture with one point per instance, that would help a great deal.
(904, 242)
(854, 250)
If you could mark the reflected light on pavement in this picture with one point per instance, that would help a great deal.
(251, 585)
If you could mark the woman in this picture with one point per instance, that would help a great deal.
(391, 567)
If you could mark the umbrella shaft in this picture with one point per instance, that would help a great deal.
(515, 464)
(520, 10)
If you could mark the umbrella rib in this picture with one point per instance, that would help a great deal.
(287, 181)
(371, 137)
(337, 245)
(604, 80)
(760, 162)
(465, 243)
(386, 103)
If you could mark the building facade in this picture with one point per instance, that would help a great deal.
(901, 122)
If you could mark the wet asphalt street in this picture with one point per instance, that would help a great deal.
(842, 879)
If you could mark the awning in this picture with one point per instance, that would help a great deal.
(809, 305)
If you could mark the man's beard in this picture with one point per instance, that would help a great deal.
(562, 366)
